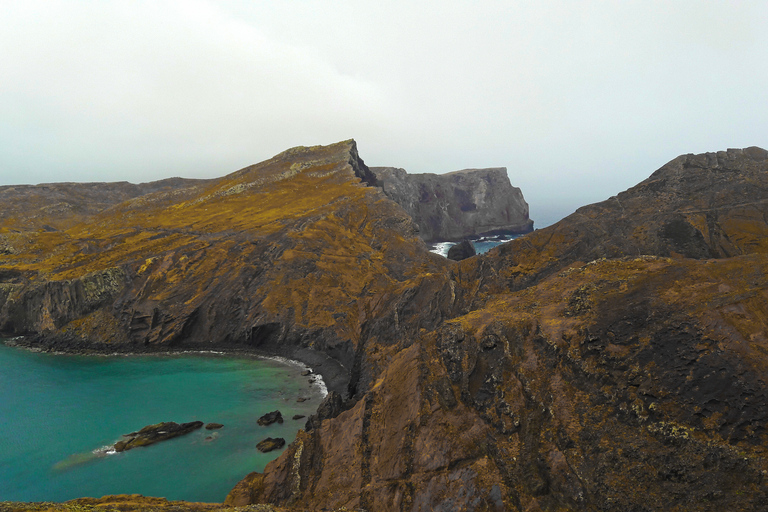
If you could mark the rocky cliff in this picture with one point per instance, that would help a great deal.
(585, 369)
(613, 361)
(460, 204)
(294, 256)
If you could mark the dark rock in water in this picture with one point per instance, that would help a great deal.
(298, 416)
(306, 372)
(457, 204)
(302, 399)
(213, 426)
(152, 434)
(462, 251)
(270, 418)
(270, 444)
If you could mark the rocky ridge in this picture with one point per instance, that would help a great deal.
(459, 204)
(613, 361)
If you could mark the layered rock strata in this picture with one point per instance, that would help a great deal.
(613, 361)
(294, 256)
(457, 205)
(580, 376)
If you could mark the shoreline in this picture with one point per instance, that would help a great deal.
(333, 376)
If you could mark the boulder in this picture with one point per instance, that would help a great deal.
(270, 418)
(213, 426)
(462, 251)
(269, 444)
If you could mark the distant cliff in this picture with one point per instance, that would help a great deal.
(459, 204)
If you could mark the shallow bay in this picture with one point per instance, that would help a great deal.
(58, 412)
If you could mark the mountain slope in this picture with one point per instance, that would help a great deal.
(290, 254)
(579, 377)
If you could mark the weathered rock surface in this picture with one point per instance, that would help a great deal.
(270, 418)
(461, 251)
(293, 257)
(580, 376)
(614, 361)
(458, 204)
(152, 434)
(269, 444)
(213, 426)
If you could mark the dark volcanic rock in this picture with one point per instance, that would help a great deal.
(458, 204)
(270, 418)
(225, 265)
(575, 375)
(152, 434)
(330, 407)
(614, 361)
(213, 426)
(461, 251)
(269, 444)
(298, 416)
(712, 205)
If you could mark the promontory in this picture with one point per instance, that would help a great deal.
(613, 361)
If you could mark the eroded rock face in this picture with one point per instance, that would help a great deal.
(458, 204)
(620, 383)
(295, 256)
(712, 205)
(613, 361)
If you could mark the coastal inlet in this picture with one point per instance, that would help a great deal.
(64, 414)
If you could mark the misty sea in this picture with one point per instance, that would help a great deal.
(59, 413)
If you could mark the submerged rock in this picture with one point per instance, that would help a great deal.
(213, 426)
(152, 434)
(298, 416)
(269, 444)
(270, 418)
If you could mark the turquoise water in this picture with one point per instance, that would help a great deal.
(58, 411)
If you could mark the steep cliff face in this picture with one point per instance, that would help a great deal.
(459, 204)
(292, 256)
(614, 361)
(619, 383)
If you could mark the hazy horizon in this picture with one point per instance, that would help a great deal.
(579, 101)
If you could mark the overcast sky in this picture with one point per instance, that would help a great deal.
(579, 100)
